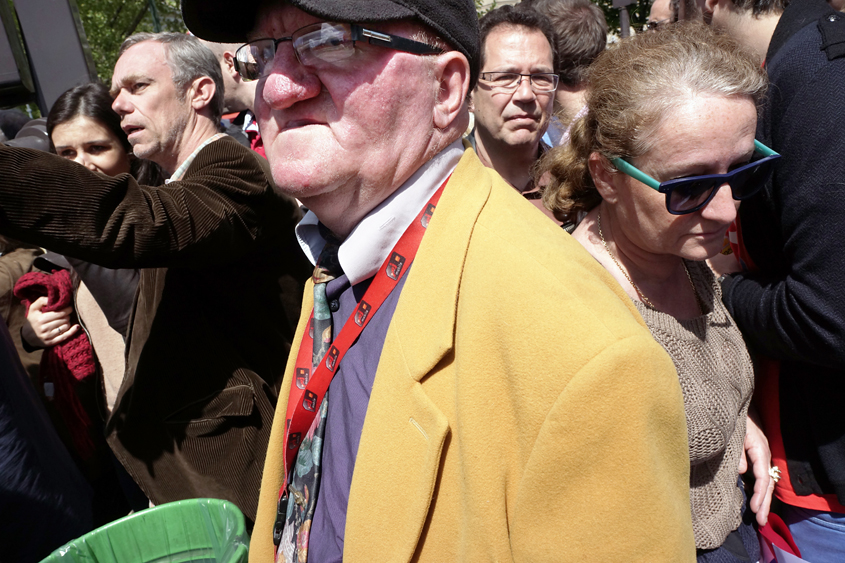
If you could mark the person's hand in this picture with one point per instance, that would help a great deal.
(43, 330)
(757, 449)
(724, 264)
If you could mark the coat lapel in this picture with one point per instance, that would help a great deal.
(404, 431)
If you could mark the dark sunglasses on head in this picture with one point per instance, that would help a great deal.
(320, 43)
(688, 195)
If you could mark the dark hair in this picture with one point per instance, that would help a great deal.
(760, 7)
(510, 16)
(88, 100)
(93, 100)
(580, 34)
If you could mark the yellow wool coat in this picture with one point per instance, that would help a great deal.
(521, 410)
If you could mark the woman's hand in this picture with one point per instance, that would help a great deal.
(724, 264)
(757, 448)
(43, 330)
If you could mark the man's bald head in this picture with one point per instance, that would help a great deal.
(237, 94)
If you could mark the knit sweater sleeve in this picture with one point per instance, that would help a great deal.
(794, 309)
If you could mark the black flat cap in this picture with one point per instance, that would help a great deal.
(229, 21)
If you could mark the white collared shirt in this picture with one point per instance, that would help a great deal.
(250, 124)
(370, 242)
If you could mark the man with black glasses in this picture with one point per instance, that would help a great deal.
(514, 97)
(467, 384)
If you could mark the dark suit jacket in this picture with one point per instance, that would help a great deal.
(44, 499)
(216, 307)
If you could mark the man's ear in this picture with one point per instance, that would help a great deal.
(228, 66)
(452, 75)
(708, 6)
(201, 92)
(604, 177)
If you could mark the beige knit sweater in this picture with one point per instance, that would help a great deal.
(717, 380)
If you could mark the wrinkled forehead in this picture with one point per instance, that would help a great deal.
(144, 61)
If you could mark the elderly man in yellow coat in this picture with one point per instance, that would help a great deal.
(470, 385)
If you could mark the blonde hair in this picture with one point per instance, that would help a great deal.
(632, 87)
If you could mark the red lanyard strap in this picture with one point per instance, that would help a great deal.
(308, 389)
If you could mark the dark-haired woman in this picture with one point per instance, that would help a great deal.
(83, 128)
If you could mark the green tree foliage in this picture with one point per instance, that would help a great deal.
(637, 12)
(108, 22)
(484, 6)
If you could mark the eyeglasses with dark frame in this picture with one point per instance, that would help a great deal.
(688, 195)
(325, 42)
(510, 81)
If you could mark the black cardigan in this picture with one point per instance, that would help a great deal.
(793, 309)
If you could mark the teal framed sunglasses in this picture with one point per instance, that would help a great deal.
(688, 195)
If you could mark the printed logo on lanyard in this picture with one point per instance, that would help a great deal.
(310, 386)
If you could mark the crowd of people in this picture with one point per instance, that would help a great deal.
(403, 284)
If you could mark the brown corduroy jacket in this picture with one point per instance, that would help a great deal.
(214, 315)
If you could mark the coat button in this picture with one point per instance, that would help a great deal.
(832, 18)
(334, 305)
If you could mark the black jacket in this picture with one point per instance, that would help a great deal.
(793, 309)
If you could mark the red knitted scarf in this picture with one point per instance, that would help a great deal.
(67, 363)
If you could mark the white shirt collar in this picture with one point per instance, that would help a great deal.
(182, 168)
(250, 124)
(368, 245)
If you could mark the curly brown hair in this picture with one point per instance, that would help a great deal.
(633, 86)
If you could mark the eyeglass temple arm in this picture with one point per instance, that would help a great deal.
(636, 173)
(393, 41)
(763, 149)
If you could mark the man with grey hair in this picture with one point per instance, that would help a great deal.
(167, 69)
(221, 274)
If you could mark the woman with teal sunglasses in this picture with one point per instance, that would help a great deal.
(653, 175)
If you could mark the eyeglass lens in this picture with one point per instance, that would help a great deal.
(540, 82)
(744, 183)
(328, 42)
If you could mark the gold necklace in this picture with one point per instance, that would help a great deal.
(645, 299)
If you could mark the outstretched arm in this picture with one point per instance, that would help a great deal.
(217, 214)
